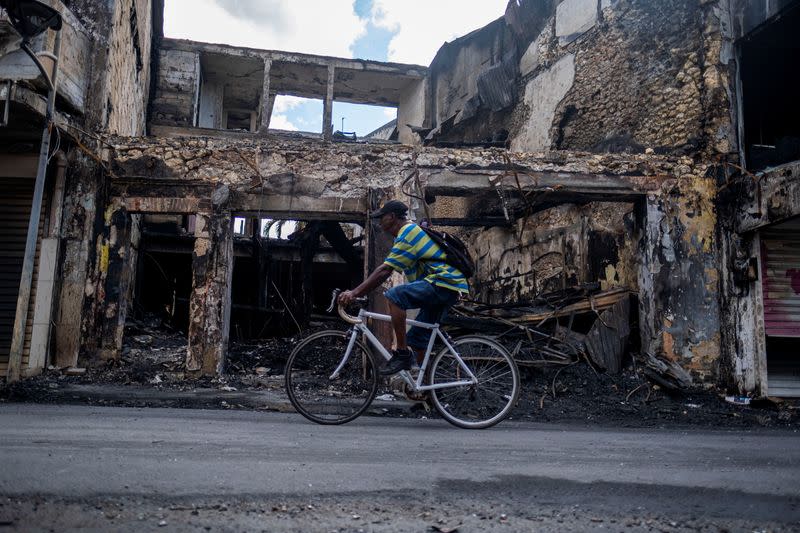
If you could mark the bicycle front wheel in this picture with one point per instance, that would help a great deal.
(485, 403)
(316, 393)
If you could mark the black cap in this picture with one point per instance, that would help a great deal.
(392, 206)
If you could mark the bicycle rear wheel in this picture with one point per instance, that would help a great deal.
(481, 405)
(308, 378)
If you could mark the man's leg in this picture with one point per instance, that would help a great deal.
(408, 296)
(432, 312)
(398, 315)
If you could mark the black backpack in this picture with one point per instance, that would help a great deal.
(457, 253)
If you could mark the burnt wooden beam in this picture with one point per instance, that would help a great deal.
(161, 195)
(164, 195)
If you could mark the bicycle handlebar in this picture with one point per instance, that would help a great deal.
(350, 319)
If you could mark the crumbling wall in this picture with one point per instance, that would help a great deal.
(344, 170)
(128, 67)
(641, 74)
(637, 80)
(555, 249)
(176, 95)
(90, 311)
(664, 247)
(596, 75)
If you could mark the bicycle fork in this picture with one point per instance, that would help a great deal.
(348, 351)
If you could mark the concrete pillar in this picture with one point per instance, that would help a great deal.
(117, 263)
(327, 111)
(266, 100)
(377, 246)
(411, 110)
(48, 275)
(210, 301)
(678, 278)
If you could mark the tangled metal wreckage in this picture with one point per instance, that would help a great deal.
(626, 172)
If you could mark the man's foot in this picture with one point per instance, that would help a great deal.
(401, 360)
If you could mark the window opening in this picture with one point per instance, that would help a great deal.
(770, 107)
(294, 113)
(362, 121)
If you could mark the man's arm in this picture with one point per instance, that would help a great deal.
(378, 276)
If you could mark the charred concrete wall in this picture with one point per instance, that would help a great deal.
(549, 251)
(748, 204)
(595, 75)
(96, 240)
(176, 92)
(620, 76)
(285, 174)
(640, 78)
(679, 278)
(128, 67)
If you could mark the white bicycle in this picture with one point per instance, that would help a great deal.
(332, 376)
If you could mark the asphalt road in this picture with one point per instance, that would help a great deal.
(137, 465)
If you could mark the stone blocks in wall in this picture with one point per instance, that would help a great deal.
(575, 17)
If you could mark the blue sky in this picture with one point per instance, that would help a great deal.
(403, 31)
(306, 115)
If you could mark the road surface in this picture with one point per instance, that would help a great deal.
(76, 467)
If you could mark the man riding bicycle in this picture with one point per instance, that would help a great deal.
(433, 285)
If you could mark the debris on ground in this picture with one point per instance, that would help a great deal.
(559, 383)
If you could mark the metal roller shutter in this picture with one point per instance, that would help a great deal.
(17, 195)
(780, 255)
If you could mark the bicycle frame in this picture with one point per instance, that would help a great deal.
(415, 385)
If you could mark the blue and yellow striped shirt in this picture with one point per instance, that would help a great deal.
(418, 257)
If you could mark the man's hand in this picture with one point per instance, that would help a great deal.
(346, 297)
(378, 276)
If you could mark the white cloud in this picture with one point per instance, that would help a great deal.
(390, 112)
(282, 122)
(285, 102)
(423, 26)
(329, 27)
(322, 27)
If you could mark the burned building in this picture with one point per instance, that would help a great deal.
(642, 148)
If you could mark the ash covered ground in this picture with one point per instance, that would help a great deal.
(153, 358)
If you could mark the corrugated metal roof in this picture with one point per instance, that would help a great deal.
(497, 86)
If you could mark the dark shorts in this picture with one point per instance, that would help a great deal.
(432, 302)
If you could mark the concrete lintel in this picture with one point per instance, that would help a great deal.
(408, 70)
(178, 132)
(139, 204)
(299, 207)
(465, 183)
